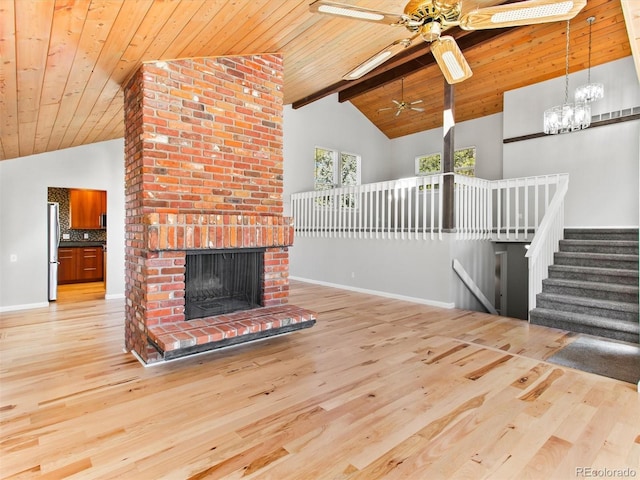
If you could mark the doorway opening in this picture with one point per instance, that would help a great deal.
(77, 241)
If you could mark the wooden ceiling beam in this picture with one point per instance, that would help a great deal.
(407, 57)
(325, 92)
(408, 62)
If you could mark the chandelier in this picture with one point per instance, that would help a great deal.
(590, 92)
(567, 117)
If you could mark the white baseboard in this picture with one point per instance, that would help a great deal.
(28, 306)
(423, 301)
(114, 296)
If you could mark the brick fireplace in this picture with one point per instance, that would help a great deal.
(203, 153)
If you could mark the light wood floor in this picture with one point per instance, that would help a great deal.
(78, 292)
(379, 388)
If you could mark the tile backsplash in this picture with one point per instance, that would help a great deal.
(61, 197)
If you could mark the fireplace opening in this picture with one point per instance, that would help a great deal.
(223, 281)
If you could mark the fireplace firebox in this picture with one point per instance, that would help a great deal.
(223, 281)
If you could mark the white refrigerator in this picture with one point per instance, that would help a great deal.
(53, 236)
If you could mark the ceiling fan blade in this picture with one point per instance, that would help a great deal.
(378, 59)
(416, 101)
(385, 109)
(398, 112)
(352, 11)
(521, 13)
(450, 60)
(396, 102)
(417, 109)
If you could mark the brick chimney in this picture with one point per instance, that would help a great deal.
(203, 153)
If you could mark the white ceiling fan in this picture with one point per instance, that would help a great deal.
(429, 18)
(402, 105)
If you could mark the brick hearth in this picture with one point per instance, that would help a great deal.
(176, 339)
(203, 148)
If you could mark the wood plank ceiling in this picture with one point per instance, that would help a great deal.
(64, 62)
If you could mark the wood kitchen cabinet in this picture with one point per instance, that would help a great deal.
(90, 264)
(87, 208)
(80, 264)
(67, 268)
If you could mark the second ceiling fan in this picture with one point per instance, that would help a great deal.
(402, 105)
(428, 19)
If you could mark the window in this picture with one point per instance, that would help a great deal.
(428, 164)
(349, 169)
(464, 161)
(324, 173)
(332, 170)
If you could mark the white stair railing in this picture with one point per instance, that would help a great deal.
(408, 208)
(520, 205)
(474, 206)
(546, 241)
(411, 208)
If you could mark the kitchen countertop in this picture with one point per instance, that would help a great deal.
(87, 243)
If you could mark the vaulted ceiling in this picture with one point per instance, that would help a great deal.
(64, 62)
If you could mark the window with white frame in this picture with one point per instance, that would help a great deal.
(349, 169)
(335, 169)
(429, 164)
(464, 162)
(325, 168)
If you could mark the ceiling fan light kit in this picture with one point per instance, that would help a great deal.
(429, 18)
(431, 32)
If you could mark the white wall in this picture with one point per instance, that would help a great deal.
(602, 162)
(411, 269)
(416, 270)
(339, 126)
(400, 268)
(478, 259)
(524, 107)
(23, 216)
(482, 133)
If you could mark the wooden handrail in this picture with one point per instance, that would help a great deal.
(546, 240)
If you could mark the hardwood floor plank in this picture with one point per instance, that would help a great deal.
(378, 388)
(546, 459)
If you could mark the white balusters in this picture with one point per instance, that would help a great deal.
(412, 208)
(547, 238)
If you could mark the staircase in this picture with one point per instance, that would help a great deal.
(593, 285)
